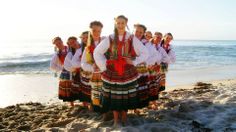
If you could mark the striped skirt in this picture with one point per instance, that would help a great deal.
(162, 81)
(65, 86)
(76, 89)
(163, 71)
(119, 92)
(85, 88)
(154, 82)
(96, 85)
(142, 89)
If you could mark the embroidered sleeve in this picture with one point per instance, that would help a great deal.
(141, 51)
(76, 60)
(68, 62)
(155, 55)
(151, 51)
(172, 56)
(164, 56)
(99, 52)
(55, 64)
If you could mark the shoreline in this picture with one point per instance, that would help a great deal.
(207, 106)
(43, 88)
(192, 85)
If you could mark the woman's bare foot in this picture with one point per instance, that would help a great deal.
(154, 106)
(116, 125)
(136, 111)
(72, 104)
(150, 104)
(90, 107)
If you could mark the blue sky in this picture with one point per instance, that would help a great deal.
(186, 19)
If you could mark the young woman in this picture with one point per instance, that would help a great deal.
(57, 64)
(122, 53)
(142, 70)
(165, 44)
(84, 39)
(157, 55)
(76, 63)
(74, 71)
(91, 81)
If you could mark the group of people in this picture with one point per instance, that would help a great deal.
(117, 73)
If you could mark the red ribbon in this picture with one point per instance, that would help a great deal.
(62, 55)
(119, 65)
(77, 70)
(120, 62)
(91, 48)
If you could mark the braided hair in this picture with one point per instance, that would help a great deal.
(116, 37)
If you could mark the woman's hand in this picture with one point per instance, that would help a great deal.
(95, 68)
(129, 61)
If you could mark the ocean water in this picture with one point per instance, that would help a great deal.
(204, 54)
(34, 56)
(25, 57)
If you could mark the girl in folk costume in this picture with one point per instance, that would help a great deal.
(157, 55)
(76, 63)
(117, 56)
(58, 58)
(57, 64)
(90, 75)
(74, 71)
(165, 44)
(142, 89)
(84, 39)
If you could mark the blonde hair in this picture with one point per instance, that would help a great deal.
(89, 45)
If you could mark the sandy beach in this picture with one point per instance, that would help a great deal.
(208, 106)
(22, 88)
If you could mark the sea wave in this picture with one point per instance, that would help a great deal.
(190, 55)
(25, 67)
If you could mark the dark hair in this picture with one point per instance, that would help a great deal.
(148, 32)
(122, 17)
(114, 45)
(142, 26)
(168, 34)
(83, 45)
(83, 33)
(163, 40)
(72, 37)
(55, 39)
(95, 23)
(70, 48)
(158, 33)
(116, 36)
